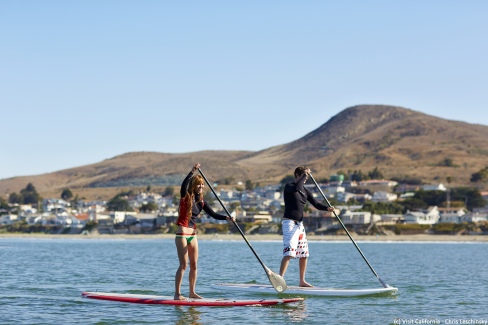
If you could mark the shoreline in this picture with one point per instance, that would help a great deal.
(265, 237)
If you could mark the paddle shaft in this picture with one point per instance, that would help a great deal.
(235, 224)
(347, 232)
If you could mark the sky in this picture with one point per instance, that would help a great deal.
(84, 81)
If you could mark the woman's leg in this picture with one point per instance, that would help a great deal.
(182, 250)
(193, 255)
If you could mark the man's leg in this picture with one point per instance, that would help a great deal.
(284, 265)
(303, 270)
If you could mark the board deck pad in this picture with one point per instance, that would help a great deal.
(317, 291)
(168, 300)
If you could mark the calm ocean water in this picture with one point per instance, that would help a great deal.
(41, 281)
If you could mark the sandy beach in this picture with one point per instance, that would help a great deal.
(268, 237)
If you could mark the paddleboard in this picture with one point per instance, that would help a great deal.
(316, 291)
(167, 300)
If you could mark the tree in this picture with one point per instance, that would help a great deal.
(375, 174)
(432, 198)
(413, 204)
(169, 191)
(227, 181)
(407, 180)
(358, 176)
(14, 198)
(471, 196)
(66, 194)
(447, 162)
(480, 176)
(3, 205)
(118, 203)
(249, 185)
(29, 195)
(151, 206)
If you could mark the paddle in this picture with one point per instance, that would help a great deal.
(276, 280)
(347, 232)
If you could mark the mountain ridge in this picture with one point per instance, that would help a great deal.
(398, 141)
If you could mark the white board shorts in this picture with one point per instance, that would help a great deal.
(295, 242)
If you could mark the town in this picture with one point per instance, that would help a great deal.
(369, 207)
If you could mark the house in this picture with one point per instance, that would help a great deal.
(359, 217)
(382, 196)
(8, 219)
(258, 217)
(105, 224)
(438, 187)
(474, 217)
(55, 205)
(388, 219)
(428, 217)
(329, 190)
(404, 188)
(346, 196)
(407, 195)
(147, 221)
(484, 195)
(378, 182)
(451, 215)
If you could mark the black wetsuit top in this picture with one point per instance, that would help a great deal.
(295, 196)
(197, 205)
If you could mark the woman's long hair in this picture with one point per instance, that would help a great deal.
(187, 200)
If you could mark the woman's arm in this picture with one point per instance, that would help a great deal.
(186, 181)
(184, 185)
(212, 213)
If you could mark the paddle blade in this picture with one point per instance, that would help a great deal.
(276, 281)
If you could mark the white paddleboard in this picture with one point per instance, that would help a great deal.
(316, 291)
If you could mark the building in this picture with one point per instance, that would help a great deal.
(428, 217)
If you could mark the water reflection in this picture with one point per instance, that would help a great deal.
(188, 315)
(295, 312)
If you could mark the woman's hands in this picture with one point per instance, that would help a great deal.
(195, 167)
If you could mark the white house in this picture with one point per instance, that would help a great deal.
(429, 217)
(391, 218)
(382, 196)
(346, 196)
(438, 187)
(363, 217)
(451, 215)
(378, 182)
(474, 217)
(8, 219)
(226, 194)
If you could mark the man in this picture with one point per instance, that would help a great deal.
(295, 243)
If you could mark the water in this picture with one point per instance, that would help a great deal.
(41, 281)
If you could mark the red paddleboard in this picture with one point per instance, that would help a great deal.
(167, 300)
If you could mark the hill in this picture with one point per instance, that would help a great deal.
(399, 141)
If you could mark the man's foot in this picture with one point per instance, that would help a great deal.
(179, 297)
(195, 296)
(305, 284)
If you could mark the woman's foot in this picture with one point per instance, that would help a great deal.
(305, 284)
(195, 296)
(179, 297)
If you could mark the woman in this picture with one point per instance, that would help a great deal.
(191, 204)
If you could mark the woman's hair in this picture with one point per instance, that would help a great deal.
(300, 170)
(190, 194)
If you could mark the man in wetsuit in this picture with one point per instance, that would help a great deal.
(295, 243)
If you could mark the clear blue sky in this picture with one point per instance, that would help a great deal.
(83, 81)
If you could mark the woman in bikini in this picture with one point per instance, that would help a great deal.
(191, 204)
